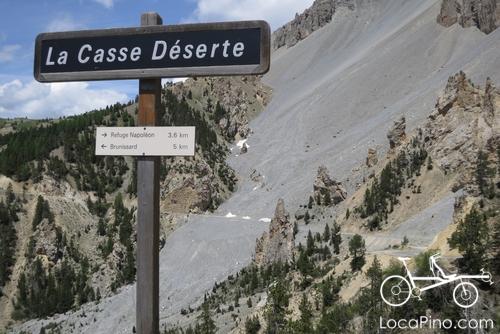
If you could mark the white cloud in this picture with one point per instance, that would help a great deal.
(64, 22)
(8, 52)
(276, 12)
(106, 3)
(53, 100)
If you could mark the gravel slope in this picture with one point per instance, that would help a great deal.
(339, 91)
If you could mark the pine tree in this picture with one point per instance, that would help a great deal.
(207, 325)
(252, 325)
(304, 324)
(276, 308)
(327, 201)
(101, 227)
(471, 238)
(370, 301)
(310, 244)
(374, 275)
(22, 295)
(326, 233)
(307, 217)
(330, 289)
(304, 265)
(42, 211)
(37, 218)
(357, 249)
(495, 248)
(8, 239)
(336, 238)
(483, 172)
(311, 201)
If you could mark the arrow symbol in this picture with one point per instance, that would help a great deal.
(103, 146)
(104, 134)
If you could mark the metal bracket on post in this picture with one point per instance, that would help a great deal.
(148, 206)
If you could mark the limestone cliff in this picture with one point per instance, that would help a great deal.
(463, 122)
(239, 98)
(483, 14)
(313, 18)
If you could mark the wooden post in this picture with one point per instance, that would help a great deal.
(148, 206)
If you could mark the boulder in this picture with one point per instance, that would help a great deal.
(326, 184)
(449, 13)
(244, 148)
(397, 134)
(372, 158)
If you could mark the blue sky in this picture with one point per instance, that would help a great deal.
(22, 20)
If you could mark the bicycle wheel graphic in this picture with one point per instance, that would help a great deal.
(395, 290)
(465, 294)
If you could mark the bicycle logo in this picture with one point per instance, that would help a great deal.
(396, 290)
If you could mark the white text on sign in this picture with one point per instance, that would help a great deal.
(88, 53)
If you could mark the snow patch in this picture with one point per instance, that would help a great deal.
(265, 220)
(241, 142)
(230, 215)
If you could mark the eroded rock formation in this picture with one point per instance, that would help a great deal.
(449, 13)
(237, 101)
(326, 184)
(313, 18)
(483, 14)
(397, 133)
(372, 158)
(464, 120)
(279, 243)
(46, 243)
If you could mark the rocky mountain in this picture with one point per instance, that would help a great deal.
(382, 106)
(464, 122)
(483, 14)
(313, 18)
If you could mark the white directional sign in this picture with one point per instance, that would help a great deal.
(145, 141)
